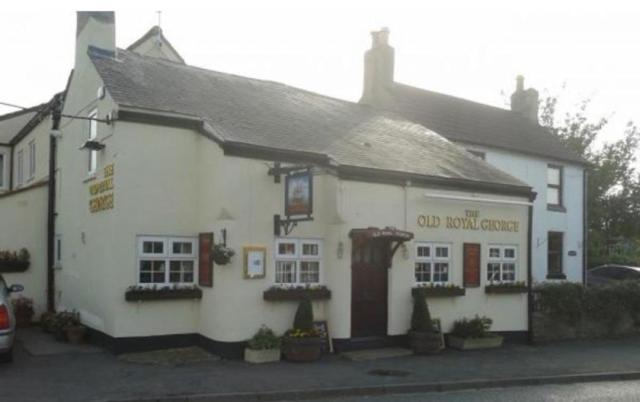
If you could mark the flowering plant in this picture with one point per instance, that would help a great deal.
(12, 256)
(222, 254)
(301, 333)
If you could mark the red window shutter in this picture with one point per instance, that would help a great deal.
(205, 269)
(471, 265)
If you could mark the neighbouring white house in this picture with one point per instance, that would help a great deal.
(513, 141)
(160, 165)
(24, 181)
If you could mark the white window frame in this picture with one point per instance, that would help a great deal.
(501, 261)
(93, 134)
(298, 258)
(32, 159)
(20, 168)
(432, 259)
(167, 256)
(57, 251)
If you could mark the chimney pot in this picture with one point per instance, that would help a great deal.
(378, 66)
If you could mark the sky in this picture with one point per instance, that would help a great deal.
(470, 49)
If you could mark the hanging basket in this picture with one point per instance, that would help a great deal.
(222, 254)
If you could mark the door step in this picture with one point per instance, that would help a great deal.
(364, 343)
(375, 354)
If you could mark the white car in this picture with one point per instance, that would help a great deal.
(7, 320)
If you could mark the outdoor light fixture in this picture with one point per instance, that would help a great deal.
(93, 145)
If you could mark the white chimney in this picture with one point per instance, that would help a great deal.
(378, 66)
(95, 28)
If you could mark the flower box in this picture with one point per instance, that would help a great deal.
(486, 342)
(296, 294)
(144, 294)
(438, 291)
(506, 289)
(258, 356)
(8, 266)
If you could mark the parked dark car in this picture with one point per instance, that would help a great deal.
(610, 273)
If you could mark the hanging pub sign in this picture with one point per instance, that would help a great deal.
(299, 194)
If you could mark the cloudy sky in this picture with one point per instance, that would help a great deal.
(471, 49)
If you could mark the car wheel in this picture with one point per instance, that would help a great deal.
(6, 357)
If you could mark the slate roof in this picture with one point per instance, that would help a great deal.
(466, 121)
(12, 123)
(273, 115)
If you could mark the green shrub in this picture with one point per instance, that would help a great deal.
(303, 320)
(421, 317)
(561, 301)
(265, 338)
(477, 327)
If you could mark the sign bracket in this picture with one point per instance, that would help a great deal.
(287, 224)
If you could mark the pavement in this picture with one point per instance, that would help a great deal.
(104, 377)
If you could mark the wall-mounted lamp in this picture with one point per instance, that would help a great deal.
(340, 251)
(405, 251)
(223, 234)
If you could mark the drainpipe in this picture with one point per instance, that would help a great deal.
(530, 271)
(585, 227)
(56, 112)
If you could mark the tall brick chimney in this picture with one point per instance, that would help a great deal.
(378, 66)
(525, 102)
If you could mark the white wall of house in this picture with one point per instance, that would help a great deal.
(5, 163)
(23, 219)
(533, 171)
(36, 170)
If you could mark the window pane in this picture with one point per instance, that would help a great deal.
(151, 271)
(424, 251)
(309, 272)
(310, 249)
(1, 170)
(509, 252)
(285, 271)
(441, 272)
(182, 247)
(554, 252)
(442, 252)
(423, 272)
(152, 247)
(180, 271)
(287, 249)
(509, 272)
(493, 272)
(553, 176)
(553, 196)
(494, 252)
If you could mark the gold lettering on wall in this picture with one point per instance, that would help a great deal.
(102, 191)
(471, 221)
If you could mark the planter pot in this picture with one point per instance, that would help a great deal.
(294, 294)
(262, 356)
(488, 342)
(162, 294)
(501, 289)
(437, 291)
(302, 350)
(75, 334)
(425, 343)
(13, 266)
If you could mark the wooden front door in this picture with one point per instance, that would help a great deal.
(471, 265)
(369, 284)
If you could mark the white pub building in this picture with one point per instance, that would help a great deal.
(354, 205)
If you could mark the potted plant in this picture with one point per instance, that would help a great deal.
(264, 347)
(66, 326)
(222, 254)
(424, 337)
(473, 334)
(23, 309)
(302, 343)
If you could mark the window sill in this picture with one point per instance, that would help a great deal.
(437, 291)
(142, 294)
(90, 177)
(556, 208)
(296, 294)
(556, 276)
(506, 289)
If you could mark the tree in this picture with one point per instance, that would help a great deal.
(613, 185)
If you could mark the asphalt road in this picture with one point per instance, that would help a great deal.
(599, 391)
